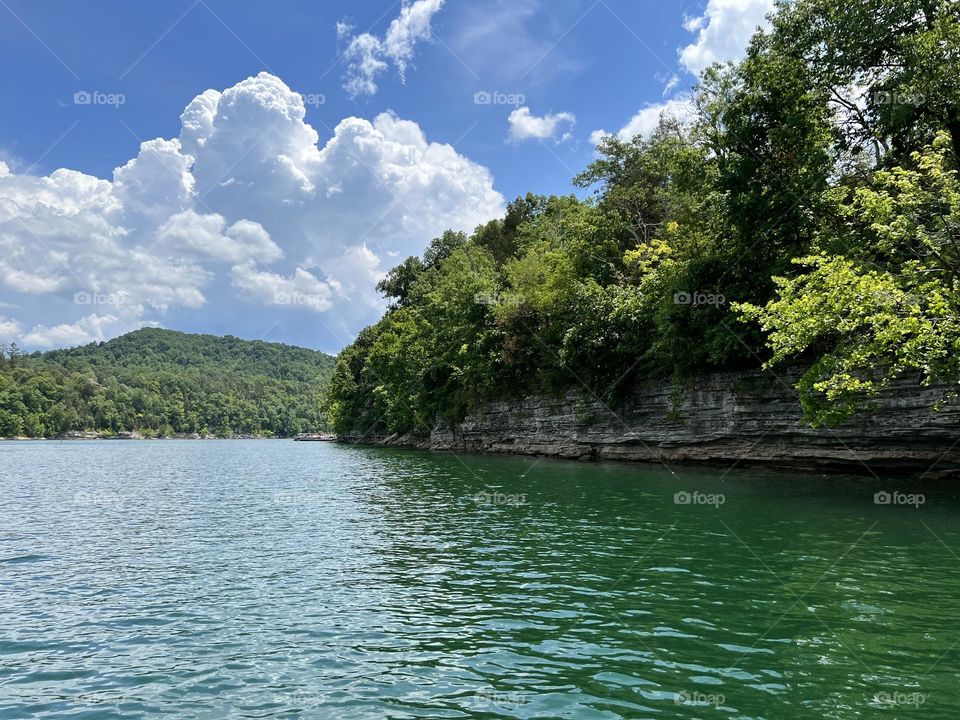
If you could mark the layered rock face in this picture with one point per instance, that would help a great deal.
(744, 417)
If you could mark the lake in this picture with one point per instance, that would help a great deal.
(262, 579)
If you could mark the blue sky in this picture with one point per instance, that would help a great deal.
(248, 223)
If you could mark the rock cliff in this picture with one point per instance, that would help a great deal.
(744, 417)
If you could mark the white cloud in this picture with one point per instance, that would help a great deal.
(92, 328)
(399, 185)
(154, 184)
(196, 121)
(411, 27)
(368, 56)
(27, 282)
(247, 202)
(355, 272)
(205, 235)
(694, 22)
(723, 30)
(301, 289)
(364, 56)
(10, 329)
(646, 120)
(670, 84)
(524, 125)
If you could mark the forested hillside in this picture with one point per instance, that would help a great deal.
(162, 382)
(807, 210)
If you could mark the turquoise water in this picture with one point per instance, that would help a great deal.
(273, 579)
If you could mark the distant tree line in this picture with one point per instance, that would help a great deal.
(161, 382)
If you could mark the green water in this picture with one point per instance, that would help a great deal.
(269, 579)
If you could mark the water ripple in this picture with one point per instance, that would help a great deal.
(245, 579)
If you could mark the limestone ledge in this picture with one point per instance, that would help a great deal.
(750, 417)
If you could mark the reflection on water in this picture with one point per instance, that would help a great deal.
(257, 579)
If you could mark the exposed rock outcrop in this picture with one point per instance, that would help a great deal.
(128, 435)
(745, 417)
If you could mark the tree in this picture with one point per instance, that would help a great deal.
(889, 305)
(801, 195)
(396, 285)
(160, 380)
(888, 67)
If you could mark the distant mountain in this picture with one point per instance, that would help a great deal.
(162, 382)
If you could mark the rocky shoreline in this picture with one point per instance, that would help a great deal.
(743, 418)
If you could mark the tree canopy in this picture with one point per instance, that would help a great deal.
(807, 213)
(161, 382)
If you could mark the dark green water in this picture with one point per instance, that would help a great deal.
(263, 579)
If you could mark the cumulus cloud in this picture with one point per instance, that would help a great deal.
(524, 125)
(646, 120)
(28, 282)
(9, 329)
(364, 56)
(92, 328)
(245, 205)
(300, 290)
(369, 56)
(354, 272)
(207, 236)
(412, 26)
(154, 184)
(723, 32)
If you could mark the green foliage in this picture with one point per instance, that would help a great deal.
(890, 305)
(813, 195)
(396, 285)
(900, 56)
(161, 382)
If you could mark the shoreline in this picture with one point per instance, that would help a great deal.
(136, 435)
(914, 468)
(88, 439)
(723, 419)
(913, 471)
